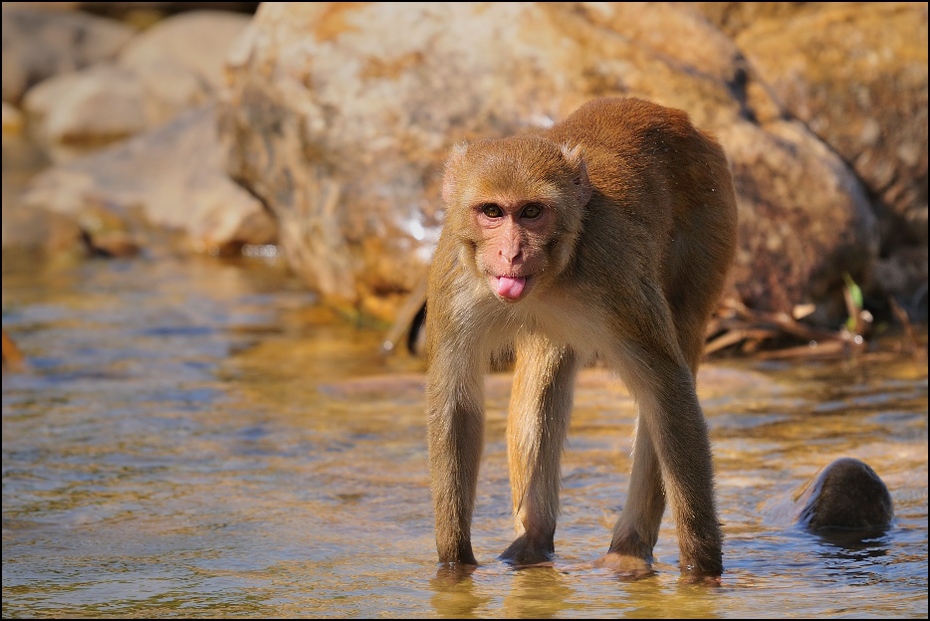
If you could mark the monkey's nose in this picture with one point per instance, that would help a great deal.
(511, 254)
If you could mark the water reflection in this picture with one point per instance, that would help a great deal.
(853, 549)
(455, 595)
(537, 593)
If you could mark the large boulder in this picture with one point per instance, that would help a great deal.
(173, 66)
(734, 17)
(171, 178)
(856, 75)
(156, 90)
(339, 117)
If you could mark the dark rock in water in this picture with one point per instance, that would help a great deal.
(847, 495)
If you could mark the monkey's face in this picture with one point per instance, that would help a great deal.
(515, 205)
(512, 249)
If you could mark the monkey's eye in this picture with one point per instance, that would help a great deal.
(491, 210)
(532, 211)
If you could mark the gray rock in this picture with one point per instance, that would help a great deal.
(847, 495)
(856, 75)
(38, 44)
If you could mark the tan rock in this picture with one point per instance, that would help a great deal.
(196, 40)
(339, 116)
(73, 113)
(30, 234)
(170, 178)
(12, 120)
(173, 66)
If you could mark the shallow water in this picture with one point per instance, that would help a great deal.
(196, 438)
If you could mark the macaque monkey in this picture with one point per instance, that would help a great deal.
(607, 236)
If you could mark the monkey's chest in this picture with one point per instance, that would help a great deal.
(565, 322)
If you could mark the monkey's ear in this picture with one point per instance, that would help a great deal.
(573, 155)
(448, 178)
(575, 158)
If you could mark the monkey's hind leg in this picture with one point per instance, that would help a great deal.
(672, 458)
(673, 420)
(540, 408)
(637, 529)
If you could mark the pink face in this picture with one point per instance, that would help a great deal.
(512, 252)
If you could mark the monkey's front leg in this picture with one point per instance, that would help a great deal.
(537, 423)
(455, 437)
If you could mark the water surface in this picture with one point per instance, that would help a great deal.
(197, 438)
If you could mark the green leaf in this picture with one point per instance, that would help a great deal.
(854, 290)
(855, 294)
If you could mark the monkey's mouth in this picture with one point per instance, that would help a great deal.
(509, 287)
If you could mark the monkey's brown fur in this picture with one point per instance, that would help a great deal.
(609, 235)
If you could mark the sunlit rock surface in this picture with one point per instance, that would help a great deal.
(339, 116)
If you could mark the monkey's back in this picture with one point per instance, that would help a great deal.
(632, 145)
(668, 186)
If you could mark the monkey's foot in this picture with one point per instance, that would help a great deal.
(701, 559)
(524, 552)
(626, 567)
(708, 573)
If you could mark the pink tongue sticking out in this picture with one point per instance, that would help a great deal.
(510, 288)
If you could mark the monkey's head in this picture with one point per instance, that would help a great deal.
(515, 206)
